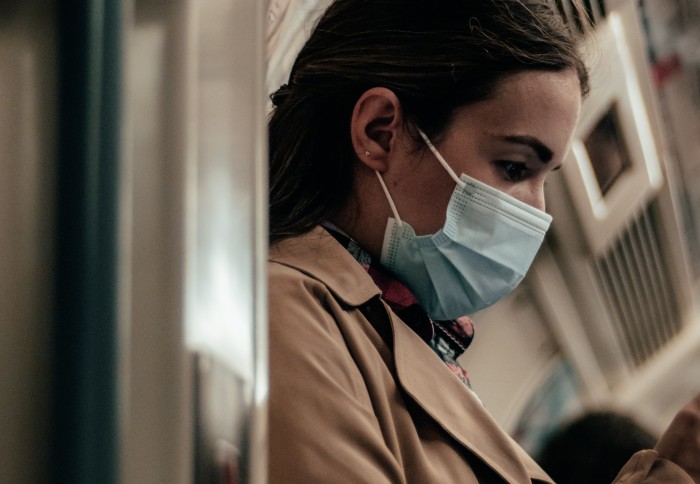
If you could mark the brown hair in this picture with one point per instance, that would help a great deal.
(435, 55)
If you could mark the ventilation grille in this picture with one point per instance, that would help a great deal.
(582, 14)
(638, 290)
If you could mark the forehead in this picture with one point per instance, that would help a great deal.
(540, 104)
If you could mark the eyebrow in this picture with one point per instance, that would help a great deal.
(543, 153)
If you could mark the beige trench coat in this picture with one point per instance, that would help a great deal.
(356, 396)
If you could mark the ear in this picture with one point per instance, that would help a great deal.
(375, 127)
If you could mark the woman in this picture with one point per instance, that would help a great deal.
(408, 155)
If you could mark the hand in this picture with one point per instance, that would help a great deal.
(681, 441)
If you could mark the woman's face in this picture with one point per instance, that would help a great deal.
(511, 142)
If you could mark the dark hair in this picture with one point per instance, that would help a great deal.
(436, 56)
(593, 448)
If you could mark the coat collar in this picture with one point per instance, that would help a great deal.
(320, 256)
(453, 406)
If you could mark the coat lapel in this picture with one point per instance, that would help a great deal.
(455, 408)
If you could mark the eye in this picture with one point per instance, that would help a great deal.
(513, 171)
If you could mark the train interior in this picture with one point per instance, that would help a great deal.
(133, 205)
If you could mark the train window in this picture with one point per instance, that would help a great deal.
(607, 151)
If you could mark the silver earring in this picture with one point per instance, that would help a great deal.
(367, 153)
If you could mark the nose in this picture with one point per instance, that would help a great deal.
(539, 200)
(535, 195)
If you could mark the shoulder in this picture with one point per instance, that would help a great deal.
(306, 335)
(322, 424)
(296, 299)
(315, 263)
(292, 292)
(287, 280)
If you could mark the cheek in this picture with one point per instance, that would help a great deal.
(436, 202)
(432, 187)
(427, 197)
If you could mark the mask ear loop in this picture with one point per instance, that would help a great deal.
(442, 161)
(391, 200)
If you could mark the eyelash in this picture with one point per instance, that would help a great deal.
(513, 171)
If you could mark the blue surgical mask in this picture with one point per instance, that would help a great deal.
(486, 246)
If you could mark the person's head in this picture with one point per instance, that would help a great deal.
(593, 448)
(373, 71)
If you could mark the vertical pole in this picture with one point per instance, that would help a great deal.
(85, 339)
